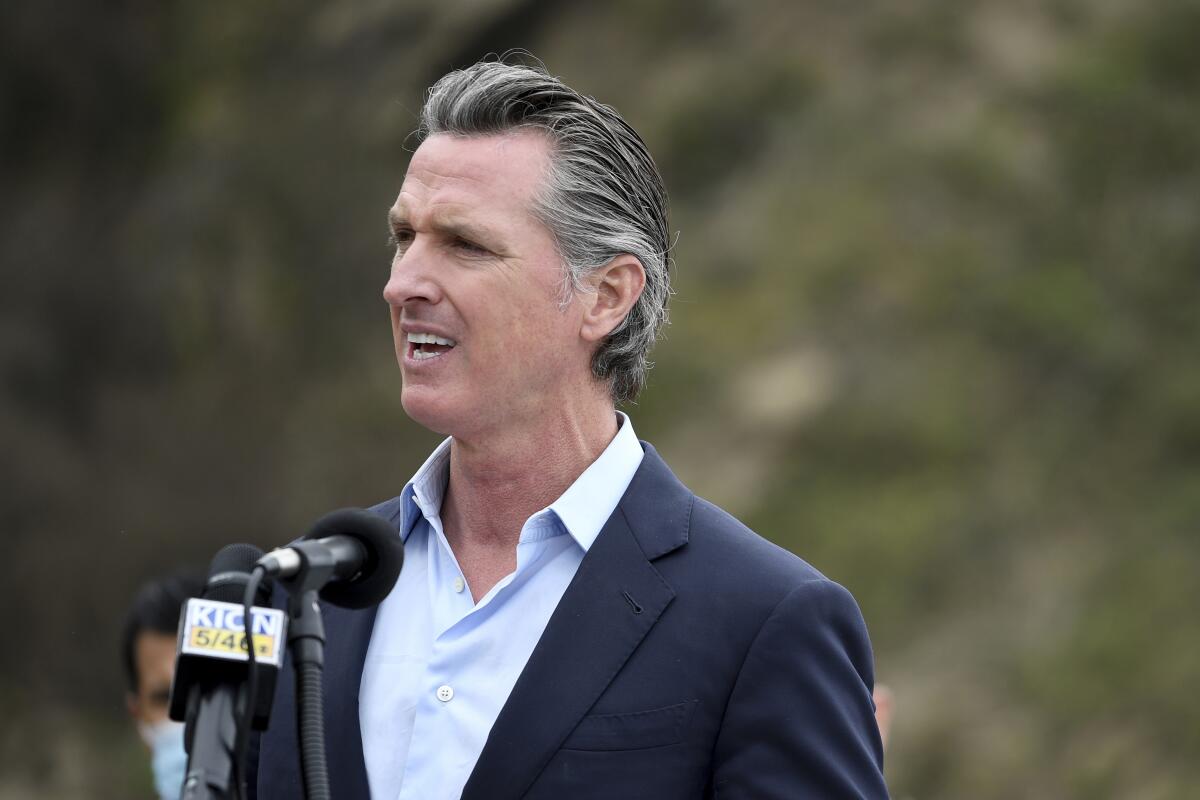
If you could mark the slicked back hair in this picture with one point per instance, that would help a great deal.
(603, 195)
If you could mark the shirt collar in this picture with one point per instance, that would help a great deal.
(588, 503)
(423, 494)
(582, 509)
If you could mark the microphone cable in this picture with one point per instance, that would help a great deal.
(242, 740)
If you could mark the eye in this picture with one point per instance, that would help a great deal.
(470, 248)
(399, 239)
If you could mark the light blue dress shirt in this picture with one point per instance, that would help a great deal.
(441, 666)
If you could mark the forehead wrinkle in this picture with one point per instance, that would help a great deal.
(447, 189)
(441, 219)
(433, 181)
(443, 209)
(478, 169)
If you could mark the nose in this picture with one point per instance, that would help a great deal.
(412, 278)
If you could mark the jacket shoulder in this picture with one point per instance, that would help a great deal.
(717, 535)
(391, 510)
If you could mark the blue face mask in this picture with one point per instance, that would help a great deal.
(168, 758)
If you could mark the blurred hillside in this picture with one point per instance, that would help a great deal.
(936, 330)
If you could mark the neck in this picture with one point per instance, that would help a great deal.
(499, 480)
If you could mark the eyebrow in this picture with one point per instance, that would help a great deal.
(396, 219)
(446, 225)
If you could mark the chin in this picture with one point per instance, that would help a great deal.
(428, 409)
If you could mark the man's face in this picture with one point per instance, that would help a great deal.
(474, 267)
(154, 654)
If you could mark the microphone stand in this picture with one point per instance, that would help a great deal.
(210, 757)
(306, 643)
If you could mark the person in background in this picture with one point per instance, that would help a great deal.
(148, 656)
(883, 711)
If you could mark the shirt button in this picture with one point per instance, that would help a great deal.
(445, 694)
(459, 585)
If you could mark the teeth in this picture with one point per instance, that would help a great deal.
(421, 355)
(429, 338)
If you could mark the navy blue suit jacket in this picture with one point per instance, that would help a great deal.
(689, 658)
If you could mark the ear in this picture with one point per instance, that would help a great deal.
(615, 288)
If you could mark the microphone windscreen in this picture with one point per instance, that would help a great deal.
(227, 574)
(385, 556)
(210, 634)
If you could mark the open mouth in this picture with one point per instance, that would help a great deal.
(422, 346)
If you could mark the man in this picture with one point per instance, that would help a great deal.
(571, 621)
(148, 657)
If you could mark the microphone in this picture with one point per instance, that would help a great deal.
(208, 690)
(361, 551)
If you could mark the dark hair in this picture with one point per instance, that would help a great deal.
(155, 608)
(603, 194)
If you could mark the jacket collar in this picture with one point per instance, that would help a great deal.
(657, 506)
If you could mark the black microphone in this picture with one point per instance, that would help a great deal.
(362, 551)
(208, 690)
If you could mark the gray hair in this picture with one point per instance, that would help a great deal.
(603, 195)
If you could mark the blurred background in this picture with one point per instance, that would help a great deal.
(937, 330)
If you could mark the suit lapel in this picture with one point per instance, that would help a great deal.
(347, 634)
(614, 600)
(347, 637)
